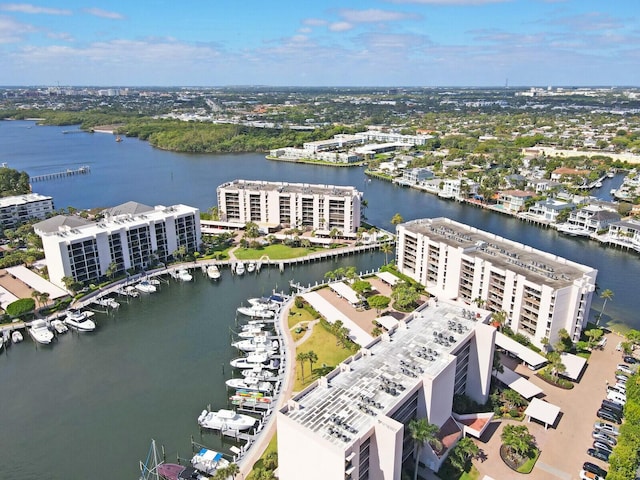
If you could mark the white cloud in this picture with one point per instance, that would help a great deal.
(67, 37)
(12, 31)
(374, 15)
(340, 26)
(314, 22)
(305, 30)
(450, 2)
(33, 9)
(98, 12)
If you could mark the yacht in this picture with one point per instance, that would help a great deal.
(252, 331)
(225, 420)
(264, 302)
(256, 312)
(213, 272)
(146, 287)
(240, 268)
(208, 461)
(184, 275)
(254, 359)
(59, 326)
(250, 384)
(257, 343)
(80, 321)
(40, 332)
(260, 373)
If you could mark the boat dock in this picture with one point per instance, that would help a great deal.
(66, 173)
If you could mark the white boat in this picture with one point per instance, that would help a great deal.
(251, 267)
(184, 275)
(80, 321)
(611, 174)
(131, 291)
(225, 420)
(146, 287)
(256, 312)
(213, 272)
(260, 373)
(16, 336)
(256, 343)
(613, 191)
(252, 331)
(208, 461)
(240, 268)
(264, 303)
(598, 184)
(250, 384)
(40, 332)
(154, 281)
(106, 302)
(262, 359)
(59, 326)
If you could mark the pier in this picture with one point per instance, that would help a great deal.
(66, 173)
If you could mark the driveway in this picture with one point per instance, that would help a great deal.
(563, 446)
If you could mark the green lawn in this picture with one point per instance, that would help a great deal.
(274, 252)
(272, 447)
(297, 315)
(326, 347)
(529, 464)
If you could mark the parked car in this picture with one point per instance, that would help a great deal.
(621, 377)
(592, 467)
(606, 428)
(602, 446)
(630, 360)
(618, 387)
(603, 437)
(599, 454)
(625, 368)
(615, 407)
(609, 416)
(622, 387)
(617, 397)
(586, 475)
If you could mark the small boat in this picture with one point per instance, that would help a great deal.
(184, 275)
(251, 267)
(131, 291)
(256, 312)
(118, 138)
(213, 272)
(146, 287)
(256, 358)
(613, 191)
(598, 184)
(80, 321)
(40, 332)
(249, 384)
(251, 332)
(208, 461)
(154, 281)
(106, 302)
(264, 302)
(240, 268)
(260, 373)
(59, 326)
(16, 336)
(170, 471)
(611, 174)
(225, 420)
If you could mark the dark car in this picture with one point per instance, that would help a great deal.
(608, 415)
(593, 468)
(613, 406)
(630, 360)
(599, 454)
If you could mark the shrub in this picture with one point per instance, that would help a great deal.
(20, 307)
(299, 302)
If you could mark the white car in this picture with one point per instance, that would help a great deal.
(617, 397)
(625, 368)
(606, 428)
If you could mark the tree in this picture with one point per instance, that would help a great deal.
(464, 451)
(499, 319)
(421, 432)
(232, 470)
(362, 287)
(594, 336)
(112, 269)
(376, 332)
(251, 230)
(313, 358)
(36, 295)
(606, 296)
(513, 399)
(378, 302)
(555, 364)
(518, 439)
(386, 248)
(20, 307)
(479, 302)
(404, 295)
(397, 219)
(301, 357)
(69, 283)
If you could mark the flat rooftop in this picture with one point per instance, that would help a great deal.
(285, 187)
(535, 265)
(346, 403)
(22, 199)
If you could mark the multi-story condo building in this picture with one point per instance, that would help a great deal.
(317, 207)
(353, 423)
(20, 208)
(131, 235)
(541, 293)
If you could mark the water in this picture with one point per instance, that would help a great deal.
(88, 406)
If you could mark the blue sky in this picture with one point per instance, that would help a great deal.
(332, 43)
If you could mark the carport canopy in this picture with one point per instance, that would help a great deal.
(528, 356)
(518, 383)
(388, 277)
(542, 411)
(573, 365)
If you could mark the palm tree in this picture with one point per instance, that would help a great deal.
(463, 452)
(421, 432)
(301, 357)
(397, 219)
(313, 358)
(606, 295)
(232, 470)
(518, 439)
(499, 318)
(36, 296)
(386, 248)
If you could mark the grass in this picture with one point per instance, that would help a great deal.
(297, 315)
(274, 252)
(529, 464)
(448, 472)
(272, 447)
(325, 346)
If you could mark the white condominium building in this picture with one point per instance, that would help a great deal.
(541, 293)
(131, 235)
(20, 208)
(353, 423)
(317, 207)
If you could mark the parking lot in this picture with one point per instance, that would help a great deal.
(563, 447)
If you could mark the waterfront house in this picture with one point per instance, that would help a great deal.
(513, 201)
(625, 234)
(548, 210)
(416, 175)
(591, 219)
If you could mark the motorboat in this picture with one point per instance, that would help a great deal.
(80, 320)
(611, 174)
(251, 267)
(256, 343)
(260, 373)
(209, 461)
(598, 184)
(240, 268)
(262, 359)
(252, 332)
(184, 275)
(154, 281)
(16, 336)
(40, 332)
(146, 287)
(174, 471)
(106, 302)
(59, 326)
(256, 312)
(250, 384)
(213, 272)
(264, 302)
(131, 291)
(225, 420)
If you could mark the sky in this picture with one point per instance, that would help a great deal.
(321, 43)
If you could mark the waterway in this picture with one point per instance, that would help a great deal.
(88, 405)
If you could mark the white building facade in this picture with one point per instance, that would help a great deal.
(541, 293)
(316, 207)
(131, 236)
(18, 209)
(353, 423)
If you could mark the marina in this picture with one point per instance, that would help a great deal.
(66, 173)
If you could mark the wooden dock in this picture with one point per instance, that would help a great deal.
(66, 173)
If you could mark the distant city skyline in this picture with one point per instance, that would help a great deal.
(330, 43)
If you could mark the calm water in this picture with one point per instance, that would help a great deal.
(88, 405)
